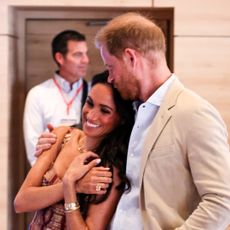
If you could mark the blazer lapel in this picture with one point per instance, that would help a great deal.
(159, 122)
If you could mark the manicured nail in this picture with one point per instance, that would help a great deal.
(98, 160)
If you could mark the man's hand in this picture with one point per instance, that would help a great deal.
(97, 176)
(45, 141)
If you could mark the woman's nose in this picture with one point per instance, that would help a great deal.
(92, 115)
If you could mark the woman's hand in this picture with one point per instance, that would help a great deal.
(79, 167)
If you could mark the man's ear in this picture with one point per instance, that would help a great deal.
(59, 58)
(130, 56)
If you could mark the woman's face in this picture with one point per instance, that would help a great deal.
(99, 112)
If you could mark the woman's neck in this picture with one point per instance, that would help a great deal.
(92, 143)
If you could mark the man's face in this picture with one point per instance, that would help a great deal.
(74, 64)
(121, 75)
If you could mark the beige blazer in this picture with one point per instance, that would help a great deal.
(185, 167)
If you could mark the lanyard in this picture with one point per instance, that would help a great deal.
(68, 103)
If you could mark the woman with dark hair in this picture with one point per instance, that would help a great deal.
(107, 121)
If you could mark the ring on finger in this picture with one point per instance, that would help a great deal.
(98, 187)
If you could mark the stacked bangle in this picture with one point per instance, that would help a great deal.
(70, 207)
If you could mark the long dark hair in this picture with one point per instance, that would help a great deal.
(114, 147)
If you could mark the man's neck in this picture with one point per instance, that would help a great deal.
(154, 81)
(70, 79)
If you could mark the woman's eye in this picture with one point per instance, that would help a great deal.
(105, 111)
(89, 103)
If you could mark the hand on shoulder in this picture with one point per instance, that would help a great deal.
(47, 139)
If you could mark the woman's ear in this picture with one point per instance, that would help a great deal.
(130, 56)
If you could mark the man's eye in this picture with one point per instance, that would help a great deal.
(77, 55)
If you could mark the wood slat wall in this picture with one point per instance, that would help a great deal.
(202, 49)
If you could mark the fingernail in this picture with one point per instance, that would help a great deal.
(98, 160)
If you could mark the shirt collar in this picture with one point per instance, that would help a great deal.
(157, 97)
(65, 85)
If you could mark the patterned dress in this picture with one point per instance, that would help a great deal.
(52, 217)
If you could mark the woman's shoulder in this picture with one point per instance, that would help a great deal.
(67, 129)
(77, 131)
(60, 130)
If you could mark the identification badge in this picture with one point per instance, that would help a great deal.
(68, 121)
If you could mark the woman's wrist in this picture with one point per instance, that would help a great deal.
(69, 190)
(68, 181)
(71, 206)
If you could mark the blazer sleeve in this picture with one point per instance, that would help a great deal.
(209, 161)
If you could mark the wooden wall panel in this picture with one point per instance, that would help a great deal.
(202, 63)
(4, 135)
(199, 18)
(72, 3)
(202, 49)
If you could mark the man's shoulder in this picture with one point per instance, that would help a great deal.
(47, 83)
(43, 85)
(41, 89)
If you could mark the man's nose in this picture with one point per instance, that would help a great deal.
(85, 59)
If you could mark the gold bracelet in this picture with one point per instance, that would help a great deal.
(70, 207)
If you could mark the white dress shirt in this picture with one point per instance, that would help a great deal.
(46, 104)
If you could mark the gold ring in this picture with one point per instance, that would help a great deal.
(98, 187)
